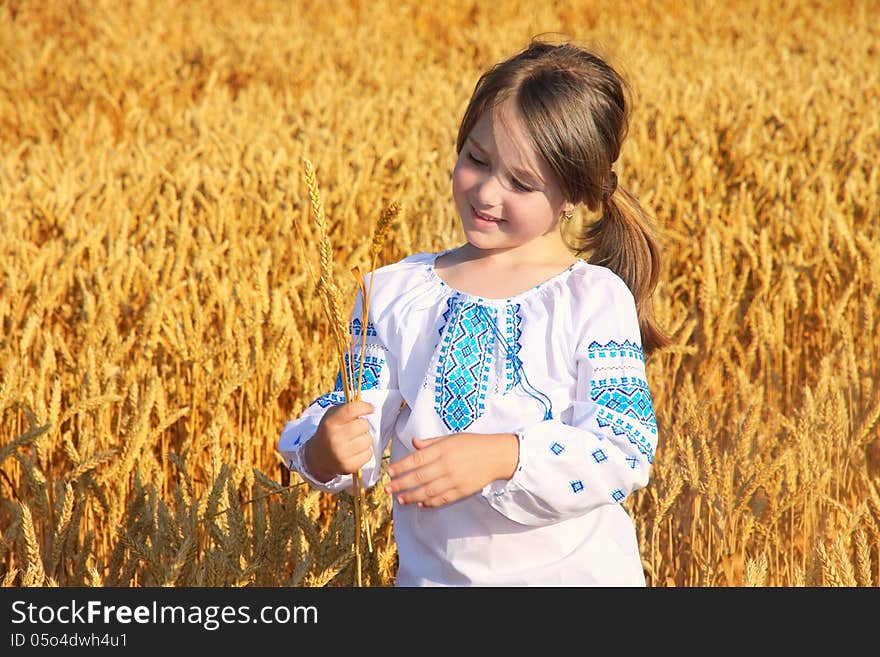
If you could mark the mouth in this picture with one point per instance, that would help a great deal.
(479, 217)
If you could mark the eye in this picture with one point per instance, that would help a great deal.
(475, 160)
(520, 186)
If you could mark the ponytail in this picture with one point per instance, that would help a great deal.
(623, 241)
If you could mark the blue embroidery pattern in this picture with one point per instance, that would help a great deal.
(614, 349)
(372, 370)
(621, 427)
(355, 328)
(627, 395)
(576, 486)
(330, 399)
(617, 494)
(599, 456)
(465, 360)
(624, 401)
(470, 335)
(513, 334)
(556, 448)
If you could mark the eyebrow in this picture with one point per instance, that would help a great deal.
(528, 176)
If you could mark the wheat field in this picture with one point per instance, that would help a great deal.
(158, 324)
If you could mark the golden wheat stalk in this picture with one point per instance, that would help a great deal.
(341, 334)
(379, 234)
(35, 575)
(383, 226)
(360, 517)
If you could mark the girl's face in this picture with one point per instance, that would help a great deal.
(505, 192)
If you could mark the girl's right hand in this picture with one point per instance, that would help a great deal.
(342, 444)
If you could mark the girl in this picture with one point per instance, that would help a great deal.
(508, 374)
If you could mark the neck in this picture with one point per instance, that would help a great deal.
(532, 253)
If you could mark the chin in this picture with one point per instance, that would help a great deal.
(482, 241)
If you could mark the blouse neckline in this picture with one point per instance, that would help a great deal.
(514, 298)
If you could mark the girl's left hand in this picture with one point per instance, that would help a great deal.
(445, 469)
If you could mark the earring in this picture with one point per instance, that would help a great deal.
(568, 216)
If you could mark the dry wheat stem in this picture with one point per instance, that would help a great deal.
(339, 328)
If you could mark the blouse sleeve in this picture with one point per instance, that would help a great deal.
(606, 449)
(378, 387)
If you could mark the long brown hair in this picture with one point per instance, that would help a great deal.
(574, 107)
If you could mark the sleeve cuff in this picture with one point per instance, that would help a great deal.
(293, 439)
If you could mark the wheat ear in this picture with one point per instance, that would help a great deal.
(383, 226)
(339, 328)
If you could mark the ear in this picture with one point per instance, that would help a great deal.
(568, 207)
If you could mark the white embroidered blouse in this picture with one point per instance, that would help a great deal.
(561, 365)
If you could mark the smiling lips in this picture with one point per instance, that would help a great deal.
(485, 217)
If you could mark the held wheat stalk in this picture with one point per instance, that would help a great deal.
(352, 381)
(333, 309)
(366, 291)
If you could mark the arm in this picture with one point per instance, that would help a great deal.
(445, 469)
(379, 389)
(605, 451)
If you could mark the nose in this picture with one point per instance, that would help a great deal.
(488, 191)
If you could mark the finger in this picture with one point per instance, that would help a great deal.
(362, 424)
(357, 460)
(349, 411)
(330, 415)
(444, 491)
(357, 408)
(352, 433)
(435, 493)
(421, 443)
(409, 462)
(361, 442)
(442, 499)
(420, 477)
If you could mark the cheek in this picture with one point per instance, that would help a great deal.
(537, 214)
(460, 183)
